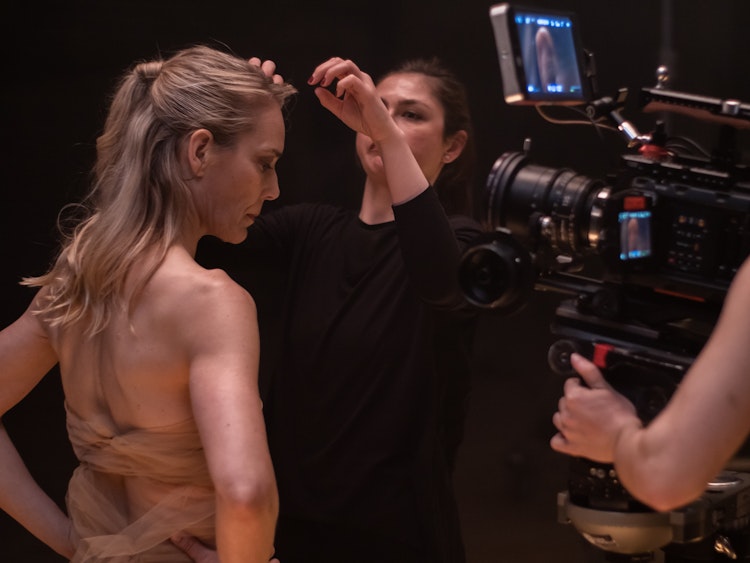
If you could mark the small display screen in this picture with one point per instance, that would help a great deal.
(635, 234)
(550, 58)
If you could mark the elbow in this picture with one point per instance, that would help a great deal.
(659, 470)
(663, 504)
(666, 500)
(664, 493)
(250, 498)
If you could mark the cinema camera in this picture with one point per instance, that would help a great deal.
(643, 258)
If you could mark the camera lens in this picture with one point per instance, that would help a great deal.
(534, 202)
(496, 273)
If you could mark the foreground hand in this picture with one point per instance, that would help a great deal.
(590, 419)
(356, 101)
(197, 551)
(269, 69)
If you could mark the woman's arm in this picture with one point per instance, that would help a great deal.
(432, 249)
(358, 105)
(222, 337)
(25, 357)
(707, 419)
(23, 499)
(428, 243)
(669, 463)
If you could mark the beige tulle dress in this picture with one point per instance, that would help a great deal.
(97, 497)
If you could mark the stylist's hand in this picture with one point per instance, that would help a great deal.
(197, 551)
(356, 101)
(269, 69)
(590, 418)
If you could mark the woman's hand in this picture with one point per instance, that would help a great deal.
(356, 101)
(197, 551)
(590, 418)
(268, 67)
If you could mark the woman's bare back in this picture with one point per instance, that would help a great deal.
(135, 377)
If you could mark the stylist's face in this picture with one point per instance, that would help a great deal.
(420, 116)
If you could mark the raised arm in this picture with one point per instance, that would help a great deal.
(357, 104)
(224, 351)
(407, 123)
(25, 357)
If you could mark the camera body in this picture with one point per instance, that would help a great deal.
(665, 219)
(677, 225)
(644, 258)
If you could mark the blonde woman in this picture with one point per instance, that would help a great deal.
(158, 356)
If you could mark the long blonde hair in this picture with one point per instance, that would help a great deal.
(139, 199)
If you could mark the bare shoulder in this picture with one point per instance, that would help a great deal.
(209, 288)
(199, 302)
(210, 291)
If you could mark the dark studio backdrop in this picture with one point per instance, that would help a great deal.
(62, 59)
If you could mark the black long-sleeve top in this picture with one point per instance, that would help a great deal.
(373, 350)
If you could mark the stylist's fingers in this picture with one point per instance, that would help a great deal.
(194, 548)
(326, 72)
(329, 101)
(268, 67)
(336, 68)
(347, 108)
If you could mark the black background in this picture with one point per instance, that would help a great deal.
(61, 60)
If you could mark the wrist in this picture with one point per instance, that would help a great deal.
(392, 138)
(623, 442)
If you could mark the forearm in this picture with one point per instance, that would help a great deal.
(28, 504)
(403, 174)
(670, 462)
(652, 470)
(245, 530)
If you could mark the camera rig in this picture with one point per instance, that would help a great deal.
(643, 258)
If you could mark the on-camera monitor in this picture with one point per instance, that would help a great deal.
(635, 234)
(541, 59)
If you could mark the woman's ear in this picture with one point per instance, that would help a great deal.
(198, 144)
(455, 146)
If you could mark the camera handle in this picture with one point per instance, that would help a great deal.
(608, 107)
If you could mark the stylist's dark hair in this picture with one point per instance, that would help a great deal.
(455, 183)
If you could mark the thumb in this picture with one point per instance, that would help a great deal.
(190, 545)
(588, 372)
(328, 100)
